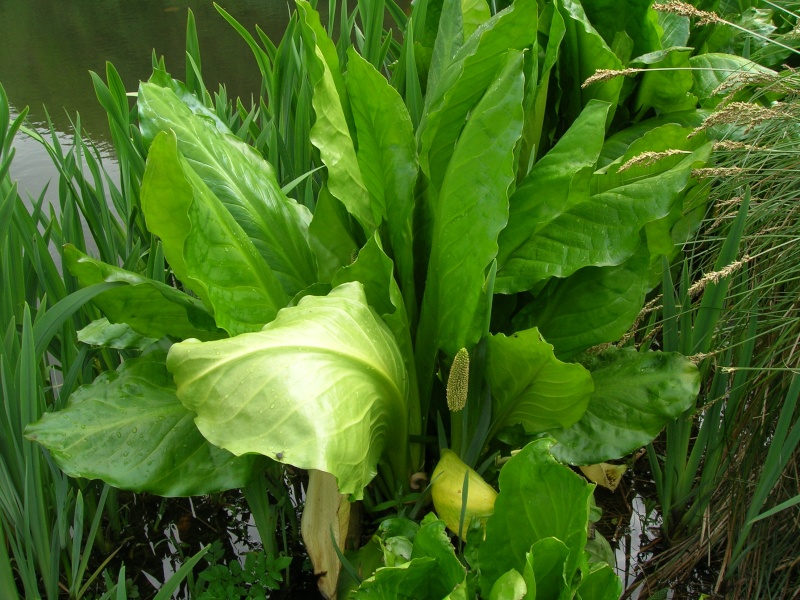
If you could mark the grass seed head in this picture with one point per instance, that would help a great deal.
(607, 74)
(687, 10)
(649, 158)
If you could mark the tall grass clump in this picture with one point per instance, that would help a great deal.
(49, 524)
(727, 472)
(57, 534)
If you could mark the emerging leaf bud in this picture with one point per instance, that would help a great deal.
(458, 381)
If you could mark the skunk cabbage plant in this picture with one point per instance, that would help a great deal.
(468, 197)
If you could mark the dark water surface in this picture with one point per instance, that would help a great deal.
(48, 47)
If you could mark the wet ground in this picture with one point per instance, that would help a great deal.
(157, 535)
(160, 534)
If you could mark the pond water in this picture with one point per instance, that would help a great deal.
(48, 48)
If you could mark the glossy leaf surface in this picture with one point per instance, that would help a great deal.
(582, 53)
(149, 307)
(548, 561)
(587, 228)
(432, 541)
(408, 581)
(375, 271)
(539, 498)
(331, 131)
(473, 208)
(461, 74)
(601, 583)
(387, 157)
(209, 252)
(321, 387)
(635, 395)
(331, 236)
(715, 68)
(667, 90)
(120, 336)
(239, 177)
(129, 429)
(632, 18)
(594, 306)
(531, 386)
(557, 182)
(510, 586)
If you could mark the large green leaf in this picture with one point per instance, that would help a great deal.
(474, 13)
(593, 306)
(149, 307)
(432, 541)
(712, 69)
(635, 395)
(415, 553)
(548, 561)
(620, 142)
(331, 235)
(601, 583)
(408, 581)
(592, 227)
(322, 387)
(243, 181)
(463, 77)
(121, 336)
(531, 386)
(472, 209)
(629, 17)
(331, 131)
(537, 88)
(675, 29)
(375, 271)
(209, 252)
(582, 53)
(660, 139)
(509, 586)
(539, 498)
(557, 182)
(666, 84)
(443, 36)
(387, 157)
(129, 429)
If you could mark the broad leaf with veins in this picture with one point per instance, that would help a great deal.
(322, 387)
(129, 429)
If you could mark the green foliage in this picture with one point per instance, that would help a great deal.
(220, 581)
(534, 546)
(635, 393)
(532, 387)
(328, 365)
(129, 429)
(479, 200)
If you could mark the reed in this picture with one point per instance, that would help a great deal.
(726, 473)
(49, 524)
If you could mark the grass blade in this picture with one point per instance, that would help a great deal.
(174, 582)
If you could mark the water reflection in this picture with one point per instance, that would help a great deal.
(48, 49)
(51, 47)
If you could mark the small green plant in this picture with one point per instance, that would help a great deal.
(261, 572)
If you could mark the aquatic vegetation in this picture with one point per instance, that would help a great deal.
(431, 240)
